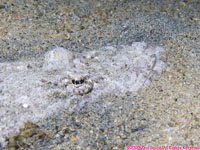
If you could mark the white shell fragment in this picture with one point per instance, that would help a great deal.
(30, 91)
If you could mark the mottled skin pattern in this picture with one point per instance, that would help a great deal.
(67, 80)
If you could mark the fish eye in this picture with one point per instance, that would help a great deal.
(82, 81)
(73, 81)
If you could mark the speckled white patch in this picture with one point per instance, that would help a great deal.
(33, 90)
